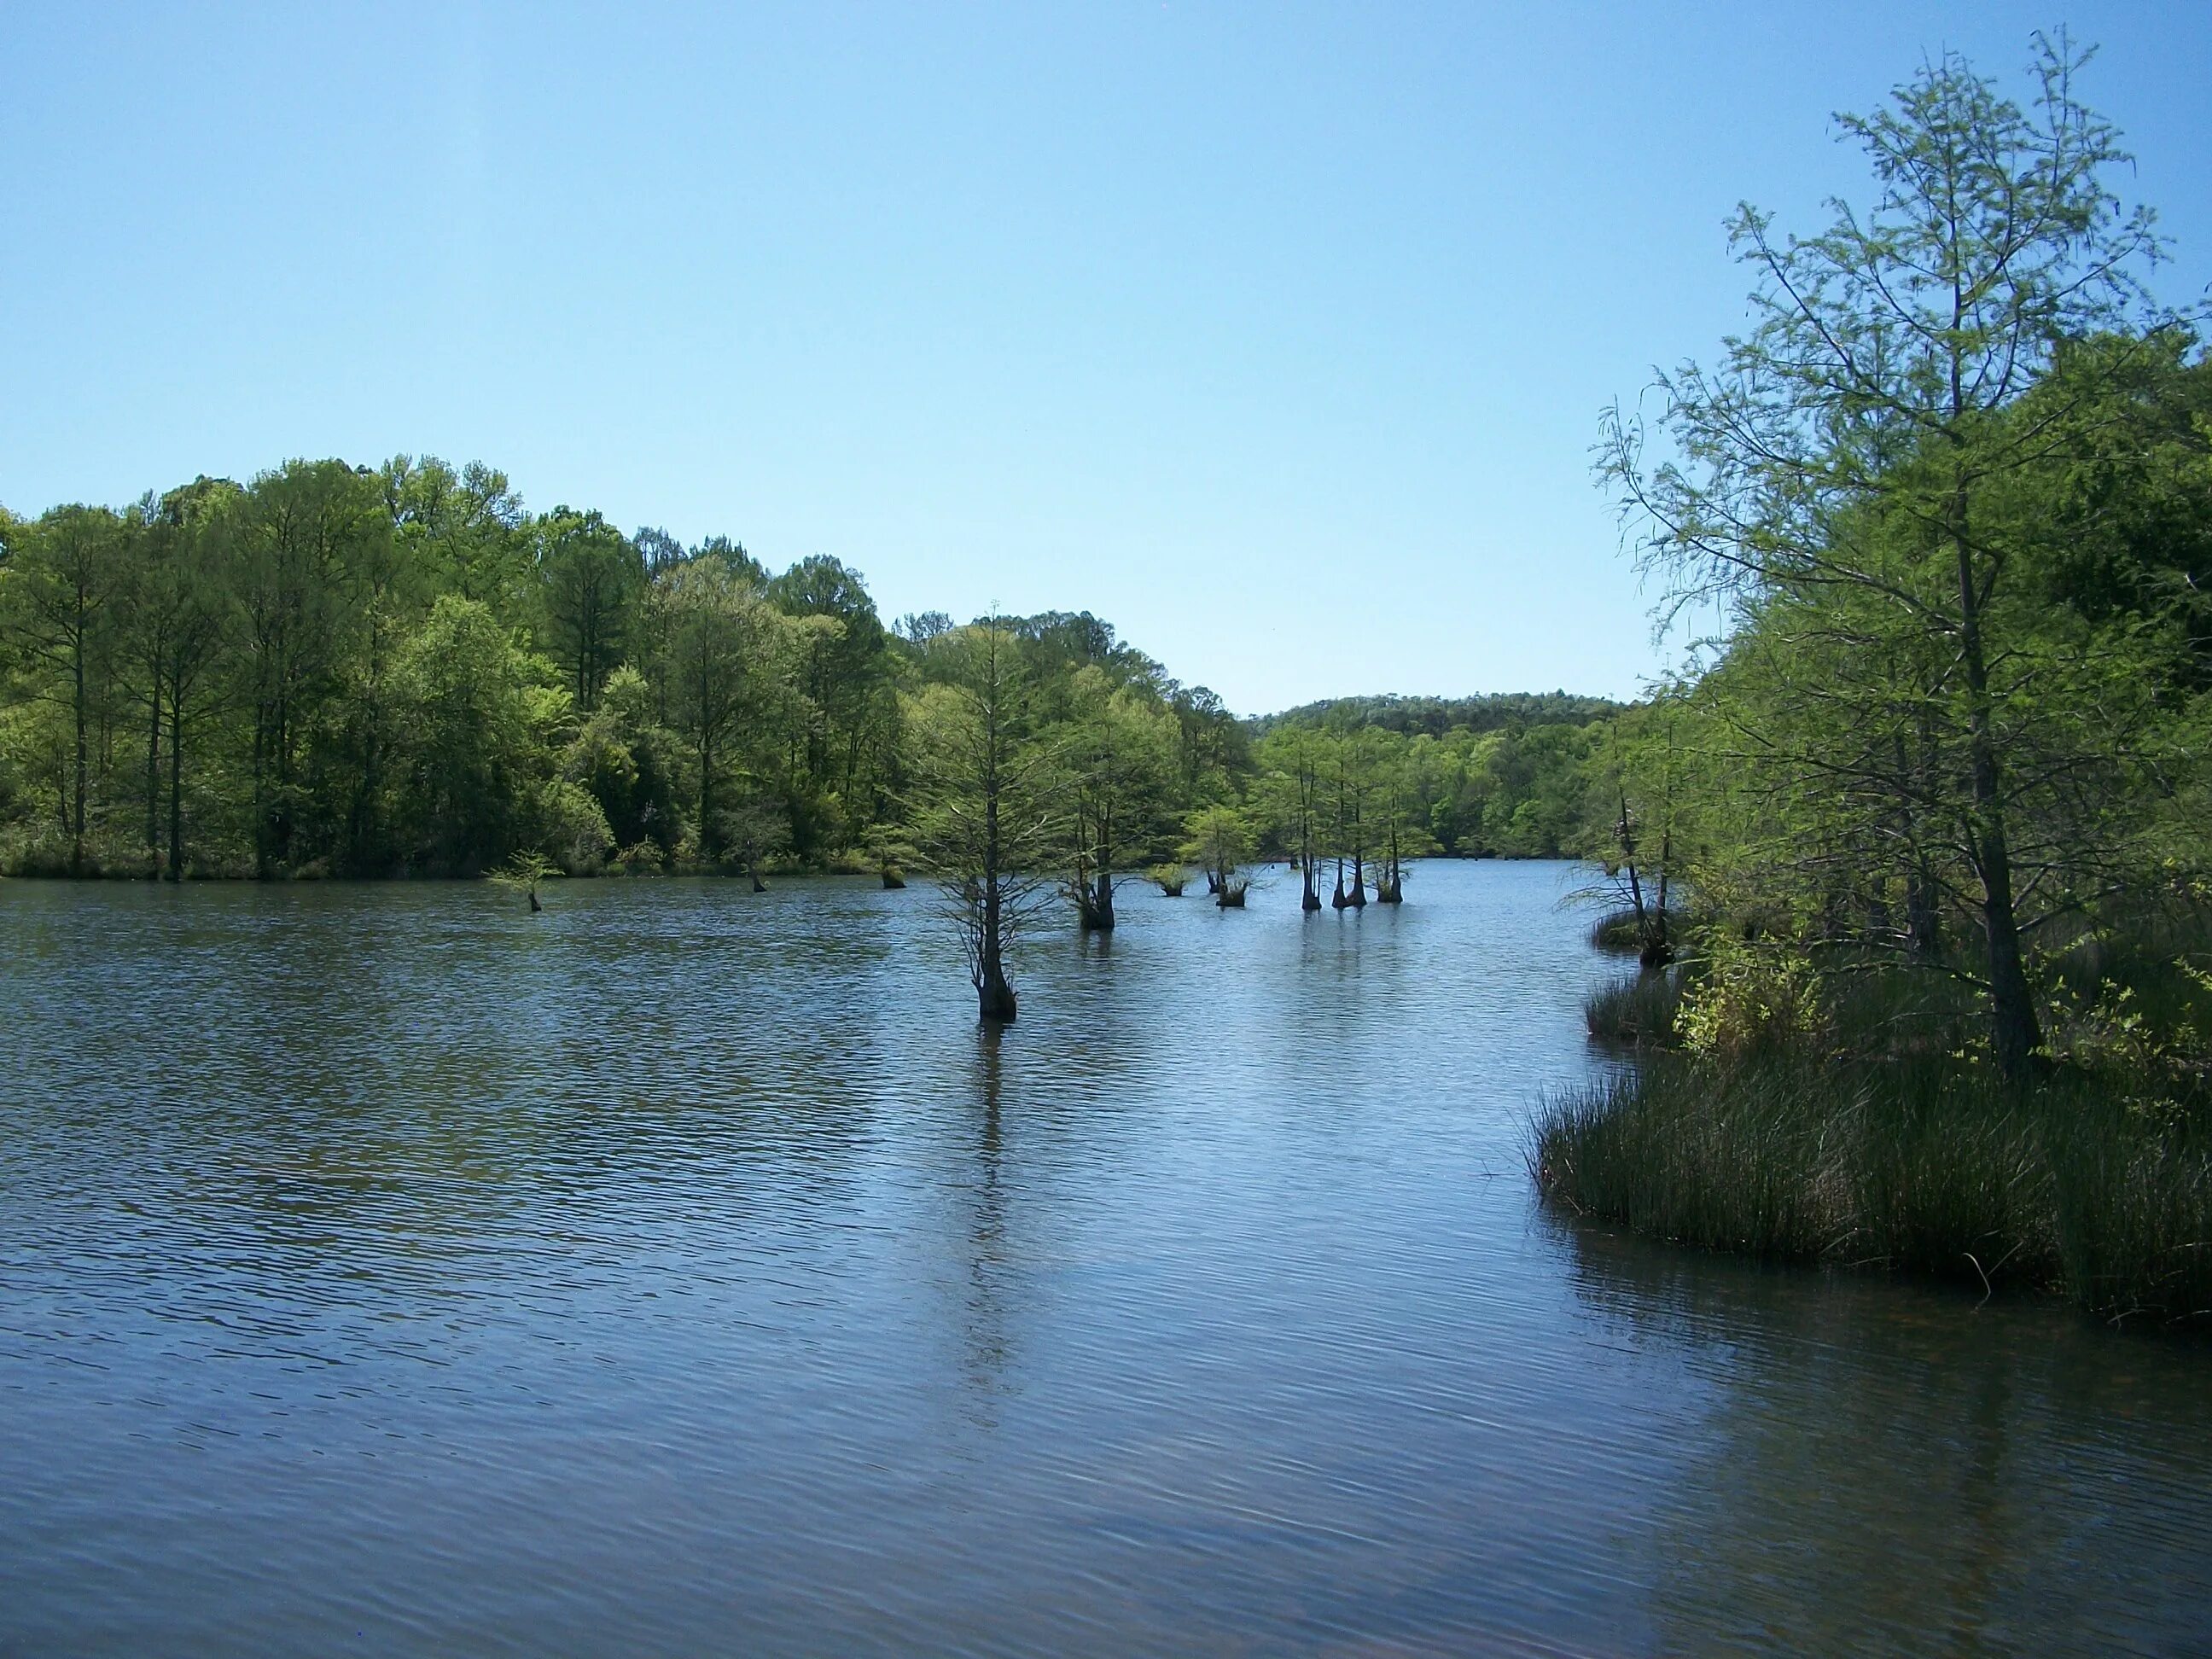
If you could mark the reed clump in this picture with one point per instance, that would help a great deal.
(1920, 1164)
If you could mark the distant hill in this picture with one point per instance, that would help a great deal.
(1438, 716)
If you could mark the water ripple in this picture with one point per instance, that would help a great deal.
(680, 1272)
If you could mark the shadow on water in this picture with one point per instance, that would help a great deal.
(1892, 1467)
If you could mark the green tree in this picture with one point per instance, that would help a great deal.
(178, 611)
(476, 710)
(298, 538)
(1296, 760)
(985, 820)
(1842, 466)
(65, 578)
(1115, 750)
(1219, 842)
(726, 655)
(593, 582)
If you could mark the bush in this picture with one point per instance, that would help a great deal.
(1751, 999)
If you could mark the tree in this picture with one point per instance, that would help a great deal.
(725, 654)
(1296, 758)
(629, 765)
(178, 614)
(300, 536)
(1837, 476)
(1350, 779)
(1219, 842)
(1115, 750)
(475, 709)
(592, 579)
(844, 676)
(985, 821)
(466, 531)
(1635, 798)
(1400, 814)
(65, 578)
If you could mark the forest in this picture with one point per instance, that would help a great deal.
(342, 670)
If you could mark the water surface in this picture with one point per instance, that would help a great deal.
(383, 1269)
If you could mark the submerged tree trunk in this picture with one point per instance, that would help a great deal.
(995, 997)
(1309, 900)
(1094, 903)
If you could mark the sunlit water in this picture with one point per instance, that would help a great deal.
(384, 1269)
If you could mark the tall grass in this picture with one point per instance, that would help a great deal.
(1911, 1163)
(1638, 1010)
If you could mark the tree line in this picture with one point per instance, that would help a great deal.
(334, 669)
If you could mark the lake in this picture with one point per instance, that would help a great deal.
(385, 1269)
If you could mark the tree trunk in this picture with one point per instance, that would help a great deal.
(995, 997)
(1093, 904)
(176, 872)
(2015, 1033)
(154, 775)
(76, 815)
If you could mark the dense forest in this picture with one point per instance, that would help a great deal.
(1914, 857)
(344, 670)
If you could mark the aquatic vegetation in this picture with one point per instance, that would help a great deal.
(1931, 1165)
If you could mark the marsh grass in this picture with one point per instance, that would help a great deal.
(1637, 1010)
(1916, 1164)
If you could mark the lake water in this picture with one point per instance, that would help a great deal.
(384, 1269)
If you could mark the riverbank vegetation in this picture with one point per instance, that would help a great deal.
(1935, 795)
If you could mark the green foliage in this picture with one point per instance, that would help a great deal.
(371, 671)
(1943, 688)
(477, 711)
(1436, 717)
(1751, 998)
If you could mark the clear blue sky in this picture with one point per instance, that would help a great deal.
(1275, 334)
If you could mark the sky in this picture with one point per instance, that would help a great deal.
(1277, 334)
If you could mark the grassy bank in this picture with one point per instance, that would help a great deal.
(1920, 1164)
